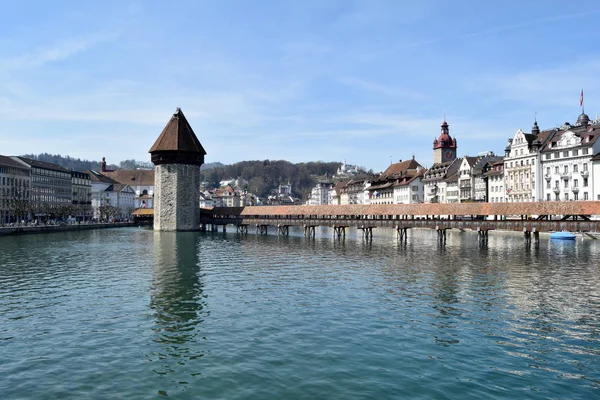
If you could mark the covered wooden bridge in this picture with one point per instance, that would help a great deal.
(530, 218)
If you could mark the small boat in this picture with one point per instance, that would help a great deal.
(562, 235)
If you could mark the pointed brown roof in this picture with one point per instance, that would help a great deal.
(401, 167)
(177, 143)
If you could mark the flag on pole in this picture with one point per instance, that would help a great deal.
(581, 99)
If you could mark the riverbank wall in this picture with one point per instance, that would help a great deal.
(28, 230)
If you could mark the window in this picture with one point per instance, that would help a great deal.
(566, 169)
(548, 170)
(548, 196)
(566, 196)
(585, 195)
(575, 152)
(585, 166)
(555, 184)
(565, 154)
(556, 155)
(566, 183)
(575, 183)
(575, 196)
(556, 170)
(585, 151)
(585, 182)
(575, 168)
(548, 156)
(557, 198)
(521, 153)
(548, 185)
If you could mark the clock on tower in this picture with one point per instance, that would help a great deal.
(448, 155)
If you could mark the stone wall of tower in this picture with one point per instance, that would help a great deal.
(437, 156)
(176, 197)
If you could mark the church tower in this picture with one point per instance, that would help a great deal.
(444, 147)
(178, 155)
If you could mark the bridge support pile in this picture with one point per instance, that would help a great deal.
(309, 230)
(283, 230)
(339, 231)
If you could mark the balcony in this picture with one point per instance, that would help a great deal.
(556, 189)
(575, 189)
(565, 175)
(585, 173)
(548, 177)
(433, 190)
(465, 184)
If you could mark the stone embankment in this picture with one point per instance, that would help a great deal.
(26, 230)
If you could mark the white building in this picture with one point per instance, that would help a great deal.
(320, 195)
(522, 165)
(494, 172)
(410, 188)
(596, 177)
(438, 179)
(390, 186)
(567, 161)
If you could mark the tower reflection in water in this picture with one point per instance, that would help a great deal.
(178, 305)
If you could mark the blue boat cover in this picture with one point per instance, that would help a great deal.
(562, 235)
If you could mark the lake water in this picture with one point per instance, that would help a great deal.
(129, 313)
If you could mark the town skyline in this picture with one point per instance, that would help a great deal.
(369, 82)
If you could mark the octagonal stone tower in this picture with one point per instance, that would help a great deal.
(178, 155)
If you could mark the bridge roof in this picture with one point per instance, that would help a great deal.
(534, 208)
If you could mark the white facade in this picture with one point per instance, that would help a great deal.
(567, 166)
(596, 178)
(452, 190)
(320, 195)
(466, 181)
(496, 187)
(520, 167)
(409, 193)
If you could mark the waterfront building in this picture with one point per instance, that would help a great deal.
(320, 194)
(178, 156)
(595, 177)
(51, 187)
(480, 180)
(15, 184)
(140, 180)
(409, 188)
(337, 192)
(228, 197)
(391, 186)
(494, 172)
(466, 179)
(452, 187)
(355, 192)
(567, 160)
(522, 164)
(436, 179)
(206, 199)
(82, 195)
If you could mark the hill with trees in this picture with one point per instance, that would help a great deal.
(267, 175)
(262, 176)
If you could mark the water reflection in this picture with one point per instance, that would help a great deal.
(177, 301)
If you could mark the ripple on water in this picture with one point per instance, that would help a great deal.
(134, 314)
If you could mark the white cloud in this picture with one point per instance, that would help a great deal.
(58, 51)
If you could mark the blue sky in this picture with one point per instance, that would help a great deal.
(368, 81)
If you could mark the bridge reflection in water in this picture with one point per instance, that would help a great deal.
(529, 218)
